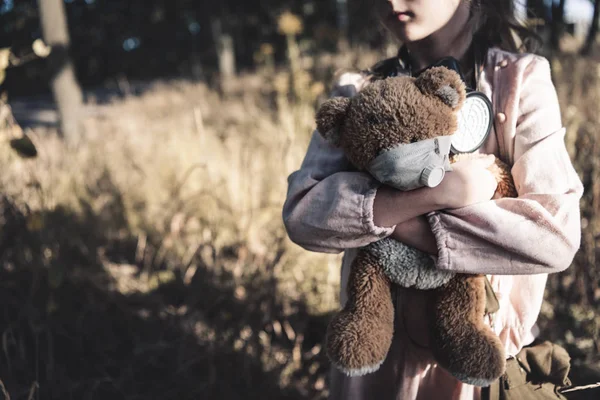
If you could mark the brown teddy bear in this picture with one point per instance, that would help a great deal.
(386, 115)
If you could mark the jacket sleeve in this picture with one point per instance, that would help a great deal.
(538, 232)
(329, 204)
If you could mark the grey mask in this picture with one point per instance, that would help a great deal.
(413, 165)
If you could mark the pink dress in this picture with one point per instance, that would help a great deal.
(515, 241)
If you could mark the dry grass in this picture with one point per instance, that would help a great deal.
(152, 262)
(170, 214)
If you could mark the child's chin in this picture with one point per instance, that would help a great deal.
(410, 32)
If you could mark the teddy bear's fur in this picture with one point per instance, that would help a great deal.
(384, 114)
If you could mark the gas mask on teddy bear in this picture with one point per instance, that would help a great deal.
(424, 163)
(413, 165)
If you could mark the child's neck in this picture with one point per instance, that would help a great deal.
(453, 40)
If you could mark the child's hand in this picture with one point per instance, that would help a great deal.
(468, 183)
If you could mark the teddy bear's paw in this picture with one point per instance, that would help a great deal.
(478, 367)
(480, 372)
(358, 343)
(360, 371)
(469, 380)
(474, 355)
(461, 342)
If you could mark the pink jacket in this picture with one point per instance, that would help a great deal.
(515, 241)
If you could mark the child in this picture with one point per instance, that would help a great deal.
(332, 207)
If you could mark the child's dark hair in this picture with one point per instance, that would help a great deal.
(497, 26)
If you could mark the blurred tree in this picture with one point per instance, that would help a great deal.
(591, 39)
(558, 13)
(141, 40)
(537, 9)
(225, 50)
(65, 88)
(343, 23)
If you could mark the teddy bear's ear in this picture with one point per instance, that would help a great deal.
(444, 84)
(330, 117)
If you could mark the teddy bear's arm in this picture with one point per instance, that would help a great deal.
(408, 267)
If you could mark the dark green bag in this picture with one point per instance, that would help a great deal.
(538, 372)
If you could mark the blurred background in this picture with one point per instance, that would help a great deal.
(144, 151)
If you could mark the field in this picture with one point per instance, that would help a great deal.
(151, 262)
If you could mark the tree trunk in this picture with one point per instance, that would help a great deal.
(558, 13)
(536, 9)
(591, 39)
(343, 23)
(225, 51)
(65, 88)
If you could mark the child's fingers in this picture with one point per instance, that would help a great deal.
(483, 161)
(488, 160)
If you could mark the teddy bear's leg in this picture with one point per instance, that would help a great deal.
(460, 340)
(360, 336)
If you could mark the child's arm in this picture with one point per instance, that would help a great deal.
(538, 232)
(416, 233)
(329, 205)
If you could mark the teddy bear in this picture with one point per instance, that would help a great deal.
(381, 119)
